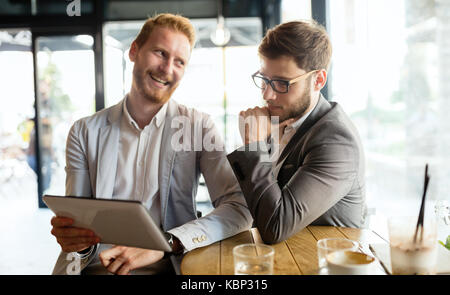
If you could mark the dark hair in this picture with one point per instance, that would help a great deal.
(307, 42)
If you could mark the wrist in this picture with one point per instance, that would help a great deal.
(175, 244)
(86, 252)
(177, 247)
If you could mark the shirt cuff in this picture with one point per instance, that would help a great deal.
(183, 237)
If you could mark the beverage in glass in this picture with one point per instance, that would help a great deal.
(409, 257)
(330, 245)
(253, 259)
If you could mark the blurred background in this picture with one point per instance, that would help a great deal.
(64, 60)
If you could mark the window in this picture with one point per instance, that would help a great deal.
(65, 69)
(241, 93)
(389, 71)
(295, 10)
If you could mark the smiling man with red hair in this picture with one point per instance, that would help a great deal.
(126, 152)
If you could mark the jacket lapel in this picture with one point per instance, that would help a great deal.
(166, 159)
(322, 107)
(108, 144)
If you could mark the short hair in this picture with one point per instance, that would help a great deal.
(175, 22)
(306, 41)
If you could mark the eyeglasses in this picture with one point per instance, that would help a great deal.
(278, 85)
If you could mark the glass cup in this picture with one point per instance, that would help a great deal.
(409, 257)
(253, 259)
(330, 245)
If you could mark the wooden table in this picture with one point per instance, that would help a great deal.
(295, 256)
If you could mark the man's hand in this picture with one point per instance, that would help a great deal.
(72, 239)
(254, 124)
(121, 260)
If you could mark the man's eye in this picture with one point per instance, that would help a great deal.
(279, 83)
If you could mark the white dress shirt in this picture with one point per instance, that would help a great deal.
(288, 132)
(138, 161)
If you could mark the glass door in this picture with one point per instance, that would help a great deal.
(17, 179)
(65, 92)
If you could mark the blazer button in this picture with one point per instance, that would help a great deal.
(195, 240)
(203, 238)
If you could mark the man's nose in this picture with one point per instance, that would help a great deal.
(268, 93)
(166, 67)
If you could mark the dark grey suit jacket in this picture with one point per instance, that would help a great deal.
(321, 181)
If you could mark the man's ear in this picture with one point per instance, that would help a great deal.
(321, 80)
(132, 53)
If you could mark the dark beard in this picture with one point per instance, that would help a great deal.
(299, 109)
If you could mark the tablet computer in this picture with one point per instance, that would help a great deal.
(118, 222)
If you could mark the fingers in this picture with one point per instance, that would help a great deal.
(287, 122)
(121, 265)
(254, 124)
(124, 270)
(61, 221)
(76, 244)
(108, 256)
(256, 111)
(263, 111)
(116, 261)
(121, 259)
(62, 228)
(65, 232)
(78, 240)
(75, 247)
(72, 239)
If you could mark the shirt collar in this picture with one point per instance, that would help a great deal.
(159, 117)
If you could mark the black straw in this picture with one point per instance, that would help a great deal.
(422, 207)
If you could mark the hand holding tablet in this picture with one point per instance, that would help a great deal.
(118, 222)
(72, 239)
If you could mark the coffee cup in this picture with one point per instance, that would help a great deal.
(350, 263)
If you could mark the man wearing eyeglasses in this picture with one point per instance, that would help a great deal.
(307, 169)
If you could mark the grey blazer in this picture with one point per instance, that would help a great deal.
(91, 162)
(321, 180)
